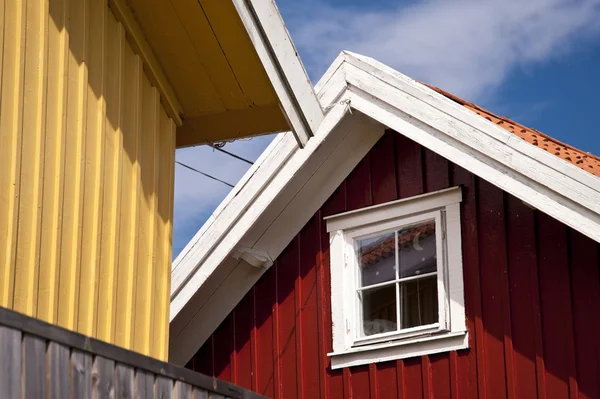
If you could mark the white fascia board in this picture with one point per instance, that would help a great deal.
(337, 64)
(241, 197)
(455, 111)
(545, 181)
(268, 224)
(283, 66)
(212, 236)
(243, 211)
(267, 163)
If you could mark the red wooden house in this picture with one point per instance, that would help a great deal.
(418, 247)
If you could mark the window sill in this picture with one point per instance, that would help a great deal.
(414, 347)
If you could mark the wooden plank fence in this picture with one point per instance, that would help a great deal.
(40, 360)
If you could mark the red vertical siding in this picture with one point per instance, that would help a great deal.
(557, 316)
(223, 355)
(243, 317)
(309, 331)
(585, 288)
(522, 263)
(532, 294)
(287, 273)
(471, 365)
(492, 252)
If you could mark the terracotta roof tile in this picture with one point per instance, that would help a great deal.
(584, 160)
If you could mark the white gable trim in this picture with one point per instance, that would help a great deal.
(227, 214)
(243, 212)
(283, 66)
(358, 66)
(543, 180)
(285, 205)
(289, 185)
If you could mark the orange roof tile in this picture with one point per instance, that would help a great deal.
(584, 160)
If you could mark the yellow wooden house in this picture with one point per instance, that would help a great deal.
(95, 97)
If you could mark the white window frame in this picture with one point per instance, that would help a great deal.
(449, 333)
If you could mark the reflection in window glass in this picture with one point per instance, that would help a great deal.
(377, 258)
(419, 301)
(417, 250)
(379, 310)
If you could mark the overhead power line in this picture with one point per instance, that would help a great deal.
(218, 148)
(204, 174)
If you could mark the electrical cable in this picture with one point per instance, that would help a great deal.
(204, 174)
(219, 148)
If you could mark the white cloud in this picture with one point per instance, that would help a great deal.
(467, 47)
(196, 196)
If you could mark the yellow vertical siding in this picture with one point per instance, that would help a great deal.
(86, 175)
(143, 300)
(11, 123)
(54, 161)
(109, 249)
(32, 156)
(130, 176)
(164, 237)
(93, 158)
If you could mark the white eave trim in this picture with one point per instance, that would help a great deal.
(243, 211)
(211, 235)
(548, 183)
(284, 68)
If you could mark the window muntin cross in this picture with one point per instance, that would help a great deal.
(398, 279)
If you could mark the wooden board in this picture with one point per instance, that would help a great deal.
(34, 367)
(124, 381)
(81, 374)
(199, 394)
(58, 379)
(182, 390)
(40, 360)
(103, 374)
(144, 384)
(163, 388)
(10, 367)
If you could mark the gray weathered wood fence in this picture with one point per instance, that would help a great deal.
(39, 360)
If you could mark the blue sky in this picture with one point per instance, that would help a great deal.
(534, 61)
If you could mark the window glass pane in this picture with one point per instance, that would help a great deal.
(379, 309)
(417, 250)
(377, 258)
(419, 301)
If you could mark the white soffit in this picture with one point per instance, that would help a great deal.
(283, 66)
(284, 189)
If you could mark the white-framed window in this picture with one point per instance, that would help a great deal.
(396, 280)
